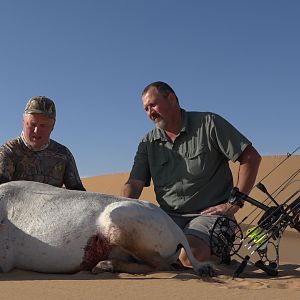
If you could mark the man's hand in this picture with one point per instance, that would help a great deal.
(224, 209)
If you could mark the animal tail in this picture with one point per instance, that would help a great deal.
(200, 268)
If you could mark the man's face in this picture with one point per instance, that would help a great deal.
(37, 129)
(157, 107)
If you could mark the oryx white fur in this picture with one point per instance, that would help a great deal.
(54, 230)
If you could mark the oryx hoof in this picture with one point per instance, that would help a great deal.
(103, 266)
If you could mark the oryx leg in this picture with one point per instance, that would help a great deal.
(140, 262)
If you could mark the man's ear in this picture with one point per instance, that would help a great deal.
(172, 98)
(53, 125)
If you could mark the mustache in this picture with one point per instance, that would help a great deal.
(155, 115)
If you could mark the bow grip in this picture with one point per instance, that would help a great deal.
(235, 198)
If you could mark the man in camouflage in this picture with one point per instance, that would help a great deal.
(34, 156)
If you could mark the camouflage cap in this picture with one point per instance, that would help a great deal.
(41, 105)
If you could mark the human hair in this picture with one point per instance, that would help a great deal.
(162, 87)
(26, 114)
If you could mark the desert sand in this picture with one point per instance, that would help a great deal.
(184, 284)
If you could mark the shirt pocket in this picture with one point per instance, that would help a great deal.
(196, 161)
(160, 170)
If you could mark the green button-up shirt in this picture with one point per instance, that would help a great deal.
(191, 173)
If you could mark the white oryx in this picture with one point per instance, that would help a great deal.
(54, 230)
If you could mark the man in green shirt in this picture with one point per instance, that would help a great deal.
(33, 156)
(187, 156)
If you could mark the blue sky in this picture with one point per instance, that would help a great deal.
(240, 59)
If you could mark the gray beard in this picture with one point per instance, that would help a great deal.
(162, 124)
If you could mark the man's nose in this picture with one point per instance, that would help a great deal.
(150, 111)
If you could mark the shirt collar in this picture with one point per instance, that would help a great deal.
(185, 118)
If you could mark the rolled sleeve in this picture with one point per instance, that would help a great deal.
(140, 169)
(230, 141)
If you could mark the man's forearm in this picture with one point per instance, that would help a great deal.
(249, 165)
(132, 189)
(247, 176)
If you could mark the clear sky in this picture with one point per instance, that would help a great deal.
(240, 59)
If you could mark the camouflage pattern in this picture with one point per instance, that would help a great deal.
(54, 165)
(41, 105)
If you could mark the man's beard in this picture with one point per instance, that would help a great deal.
(161, 124)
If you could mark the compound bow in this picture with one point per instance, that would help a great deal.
(227, 237)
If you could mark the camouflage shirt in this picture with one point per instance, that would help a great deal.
(54, 165)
